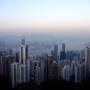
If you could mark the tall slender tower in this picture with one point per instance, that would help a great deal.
(22, 73)
(63, 52)
(23, 54)
(87, 55)
(55, 52)
(14, 74)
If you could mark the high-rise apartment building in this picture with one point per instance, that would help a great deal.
(23, 53)
(87, 55)
(14, 74)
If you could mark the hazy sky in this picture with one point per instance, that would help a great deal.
(50, 15)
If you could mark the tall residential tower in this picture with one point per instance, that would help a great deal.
(23, 53)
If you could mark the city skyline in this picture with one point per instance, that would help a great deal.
(57, 65)
(44, 44)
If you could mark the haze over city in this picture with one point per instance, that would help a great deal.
(56, 20)
(44, 44)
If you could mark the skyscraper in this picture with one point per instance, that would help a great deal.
(18, 73)
(87, 55)
(53, 71)
(66, 73)
(14, 74)
(22, 73)
(54, 52)
(28, 70)
(23, 54)
(63, 53)
(78, 73)
(37, 72)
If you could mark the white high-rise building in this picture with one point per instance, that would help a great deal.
(66, 72)
(14, 74)
(22, 73)
(18, 73)
(87, 55)
(23, 53)
(63, 71)
(78, 73)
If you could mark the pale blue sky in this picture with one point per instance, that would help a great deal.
(20, 15)
(44, 11)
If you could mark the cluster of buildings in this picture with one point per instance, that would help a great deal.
(66, 65)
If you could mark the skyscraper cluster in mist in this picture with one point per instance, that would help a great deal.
(21, 67)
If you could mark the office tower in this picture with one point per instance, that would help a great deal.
(23, 54)
(87, 55)
(14, 74)
(63, 53)
(22, 73)
(28, 70)
(56, 52)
